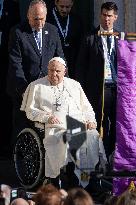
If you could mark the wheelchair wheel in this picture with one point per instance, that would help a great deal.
(29, 156)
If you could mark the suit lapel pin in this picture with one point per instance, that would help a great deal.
(46, 32)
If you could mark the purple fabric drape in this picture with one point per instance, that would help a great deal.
(125, 152)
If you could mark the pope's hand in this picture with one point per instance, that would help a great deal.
(53, 120)
(90, 125)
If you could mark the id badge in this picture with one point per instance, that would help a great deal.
(108, 73)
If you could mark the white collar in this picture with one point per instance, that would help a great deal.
(60, 86)
(101, 29)
(40, 31)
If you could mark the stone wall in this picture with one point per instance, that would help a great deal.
(126, 16)
(130, 15)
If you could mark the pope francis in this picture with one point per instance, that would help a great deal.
(49, 100)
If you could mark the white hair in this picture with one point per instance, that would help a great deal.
(59, 59)
(34, 2)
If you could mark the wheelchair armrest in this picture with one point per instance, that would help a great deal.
(39, 125)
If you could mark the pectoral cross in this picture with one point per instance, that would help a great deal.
(57, 104)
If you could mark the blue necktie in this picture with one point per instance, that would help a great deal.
(109, 44)
(38, 39)
(112, 57)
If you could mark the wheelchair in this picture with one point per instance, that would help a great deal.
(29, 154)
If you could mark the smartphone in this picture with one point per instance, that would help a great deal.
(13, 195)
(18, 193)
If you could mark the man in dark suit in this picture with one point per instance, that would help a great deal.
(97, 72)
(69, 27)
(31, 46)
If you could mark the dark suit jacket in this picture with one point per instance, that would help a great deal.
(90, 70)
(26, 64)
(74, 35)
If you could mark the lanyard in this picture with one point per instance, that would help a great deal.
(105, 44)
(106, 53)
(65, 32)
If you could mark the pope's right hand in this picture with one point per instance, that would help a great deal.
(53, 120)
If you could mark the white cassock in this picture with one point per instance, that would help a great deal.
(41, 100)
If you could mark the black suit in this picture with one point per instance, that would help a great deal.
(73, 38)
(90, 73)
(26, 64)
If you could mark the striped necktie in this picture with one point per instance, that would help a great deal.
(38, 39)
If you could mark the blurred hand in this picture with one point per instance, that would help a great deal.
(90, 125)
(63, 193)
(53, 120)
(31, 202)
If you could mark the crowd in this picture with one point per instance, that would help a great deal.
(48, 75)
(50, 195)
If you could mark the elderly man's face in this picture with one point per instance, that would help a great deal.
(37, 16)
(56, 72)
(64, 7)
